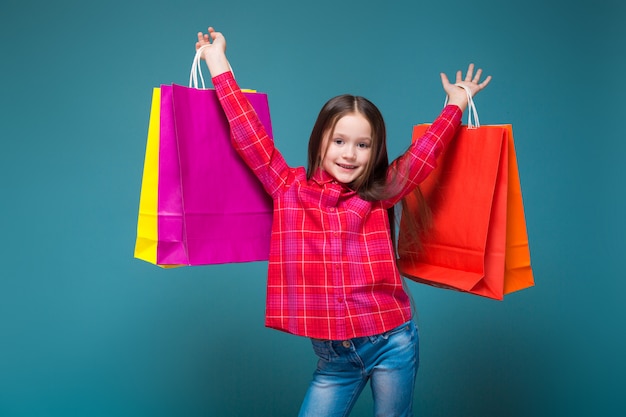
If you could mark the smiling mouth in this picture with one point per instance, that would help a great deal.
(347, 166)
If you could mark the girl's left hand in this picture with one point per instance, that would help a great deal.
(457, 95)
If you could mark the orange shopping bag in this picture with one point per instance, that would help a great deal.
(478, 241)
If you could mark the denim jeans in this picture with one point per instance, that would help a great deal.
(389, 361)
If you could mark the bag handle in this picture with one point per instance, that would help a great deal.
(196, 68)
(471, 108)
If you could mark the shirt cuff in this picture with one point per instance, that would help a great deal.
(223, 77)
(453, 113)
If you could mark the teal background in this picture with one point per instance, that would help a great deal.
(86, 330)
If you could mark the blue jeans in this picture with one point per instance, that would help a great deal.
(389, 361)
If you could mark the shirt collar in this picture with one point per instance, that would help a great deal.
(321, 178)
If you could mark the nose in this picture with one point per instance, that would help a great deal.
(349, 152)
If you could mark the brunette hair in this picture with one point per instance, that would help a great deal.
(372, 184)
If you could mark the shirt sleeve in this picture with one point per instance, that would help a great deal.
(410, 169)
(249, 137)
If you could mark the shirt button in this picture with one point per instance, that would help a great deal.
(331, 209)
(346, 344)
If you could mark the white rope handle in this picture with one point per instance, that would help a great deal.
(196, 68)
(472, 113)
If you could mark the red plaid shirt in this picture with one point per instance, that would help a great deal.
(332, 272)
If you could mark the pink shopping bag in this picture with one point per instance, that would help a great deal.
(205, 203)
(226, 213)
(200, 203)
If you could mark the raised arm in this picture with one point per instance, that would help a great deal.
(407, 171)
(248, 135)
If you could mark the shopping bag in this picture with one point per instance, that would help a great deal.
(147, 222)
(200, 204)
(477, 242)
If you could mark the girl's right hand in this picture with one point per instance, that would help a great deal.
(214, 51)
(213, 39)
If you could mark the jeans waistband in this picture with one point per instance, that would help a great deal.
(383, 334)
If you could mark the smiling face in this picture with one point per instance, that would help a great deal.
(347, 149)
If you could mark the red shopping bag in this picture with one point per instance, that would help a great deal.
(478, 241)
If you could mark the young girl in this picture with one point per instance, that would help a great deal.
(332, 272)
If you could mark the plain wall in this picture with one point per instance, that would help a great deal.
(86, 330)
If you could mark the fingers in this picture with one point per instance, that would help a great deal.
(444, 79)
(207, 37)
(468, 75)
(203, 39)
(476, 78)
(471, 80)
(472, 77)
(459, 76)
(484, 83)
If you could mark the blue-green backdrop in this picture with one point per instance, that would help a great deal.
(86, 330)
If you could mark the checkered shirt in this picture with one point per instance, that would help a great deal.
(332, 272)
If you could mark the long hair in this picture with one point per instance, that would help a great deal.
(372, 184)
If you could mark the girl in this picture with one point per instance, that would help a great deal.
(332, 274)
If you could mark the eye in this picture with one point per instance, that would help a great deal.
(338, 141)
(363, 145)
